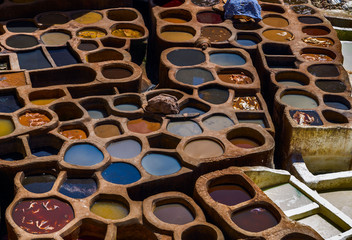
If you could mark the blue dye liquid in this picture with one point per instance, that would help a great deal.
(194, 76)
(44, 151)
(96, 114)
(12, 156)
(127, 107)
(83, 155)
(160, 164)
(39, 183)
(218, 122)
(191, 110)
(184, 128)
(121, 173)
(214, 95)
(78, 188)
(227, 59)
(186, 57)
(124, 149)
(62, 56)
(33, 60)
(246, 42)
(9, 103)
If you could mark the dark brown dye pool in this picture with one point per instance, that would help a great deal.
(333, 86)
(173, 213)
(209, 17)
(316, 31)
(87, 46)
(324, 70)
(254, 219)
(116, 73)
(309, 20)
(229, 194)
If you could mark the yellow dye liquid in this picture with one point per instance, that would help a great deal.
(6, 127)
(89, 18)
(91, 33)
(109, 209)
(43, 101)
(174, 20)
(174, 36)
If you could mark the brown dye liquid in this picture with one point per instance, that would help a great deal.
(315, 31)
(74, 134)
(143, 126)
(173, 213)
(216, 34)
(33, 119)
(244, 142)
(254, 219)
(278, 35)
(12, 79)
(235, 78)
(229, 194)
(116, 73)
(107, 130)
(275, 21)
(316, 57)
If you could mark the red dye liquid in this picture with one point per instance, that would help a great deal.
(42, 216)
(209, 17)
(172, 3)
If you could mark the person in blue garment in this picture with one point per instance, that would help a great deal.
(241, 10)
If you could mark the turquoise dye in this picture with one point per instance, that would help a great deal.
(246, 42)
(121, 173)
(124, 149)
(9, 103)
(191, 110)
(44, 151)
(214, 95)
(186, 57)
(83, 155)
(227, 59)
(184, 128)
(194, 76)
(39, 183)
(78, 187)
(160, 164)
(97, 114)
(33, 60)
(127, 107)
(218, 122)
(62, 56)
(21, 26)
